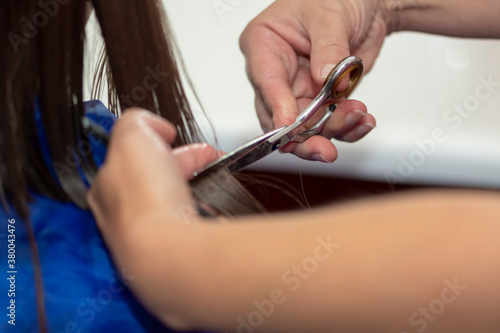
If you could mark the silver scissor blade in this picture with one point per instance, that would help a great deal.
(244, 155)
(253, 155)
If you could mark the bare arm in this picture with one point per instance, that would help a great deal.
(386, 264)
(461, 18)
(362, 267)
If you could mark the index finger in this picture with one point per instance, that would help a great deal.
(156, 127)
(271, 66)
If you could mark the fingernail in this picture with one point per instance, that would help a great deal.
(365, 129)
(320, 158)
(353, 117)
(191, 147)
(326, 70)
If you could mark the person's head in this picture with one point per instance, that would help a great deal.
(41, 63)
(41, 68)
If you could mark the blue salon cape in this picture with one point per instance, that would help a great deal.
(84, 291)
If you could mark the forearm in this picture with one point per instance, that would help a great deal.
(381, 261)
(461, 18)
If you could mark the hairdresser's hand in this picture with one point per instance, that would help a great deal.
(293, 45)
(141, 172)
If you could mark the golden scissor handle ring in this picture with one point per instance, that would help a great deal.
(350, 66)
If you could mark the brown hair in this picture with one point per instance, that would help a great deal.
(41, 63)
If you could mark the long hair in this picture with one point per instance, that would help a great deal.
(41, 66)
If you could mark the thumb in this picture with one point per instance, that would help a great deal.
(193, 157)
(329, 45)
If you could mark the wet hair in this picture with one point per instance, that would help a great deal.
(41, 65)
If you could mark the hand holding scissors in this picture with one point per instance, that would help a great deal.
(262, 146)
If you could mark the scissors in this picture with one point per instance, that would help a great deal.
(267, 143)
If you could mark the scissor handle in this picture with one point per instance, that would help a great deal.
(316, 128)
(352, 66)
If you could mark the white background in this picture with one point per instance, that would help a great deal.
(416, 80)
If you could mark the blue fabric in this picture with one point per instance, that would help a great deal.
(84, 292)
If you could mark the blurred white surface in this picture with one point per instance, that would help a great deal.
(416, 91)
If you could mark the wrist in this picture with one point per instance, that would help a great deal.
(399, 11)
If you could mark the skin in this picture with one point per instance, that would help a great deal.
(391, 256)
(426, 261)
(291, 46)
